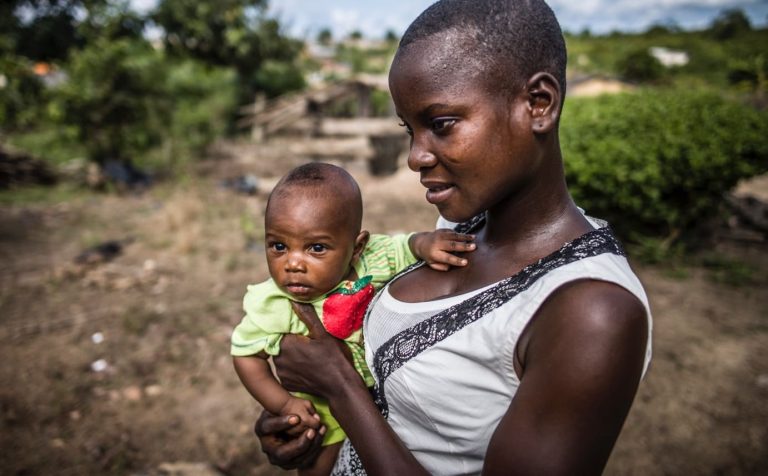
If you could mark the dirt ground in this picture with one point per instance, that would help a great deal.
(122, 367)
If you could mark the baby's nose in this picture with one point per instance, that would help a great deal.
(295, 263)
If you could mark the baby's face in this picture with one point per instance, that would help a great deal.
(309, 246)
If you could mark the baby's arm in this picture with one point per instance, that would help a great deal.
(438, 248)
(256, 375)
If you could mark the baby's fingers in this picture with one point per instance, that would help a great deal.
(455, 246)
(445, 258)
(455, 236)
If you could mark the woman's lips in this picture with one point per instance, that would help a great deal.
(438, 192)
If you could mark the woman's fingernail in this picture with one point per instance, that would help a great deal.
(293, 420)
(311, 434)
(322, 430)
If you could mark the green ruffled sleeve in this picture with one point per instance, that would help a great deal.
(384, 256)
(268, 316)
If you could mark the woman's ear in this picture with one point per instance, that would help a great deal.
(360, 242)
(544, 101)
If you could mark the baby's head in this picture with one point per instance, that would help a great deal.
(312, 230)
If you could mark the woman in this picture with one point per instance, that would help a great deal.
(527, 360)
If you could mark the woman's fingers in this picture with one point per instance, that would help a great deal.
(269, 424)
(283, 450)
(309, 317)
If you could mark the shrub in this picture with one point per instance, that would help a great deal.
(114, 98)
(21, 93)
(640, 66)
(203, 99)
(657, 163)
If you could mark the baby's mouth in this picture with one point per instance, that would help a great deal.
(297, 289)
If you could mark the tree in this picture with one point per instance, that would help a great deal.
(640, 66)
(325, 37)
(41, 30)
(391, 37)
(233, 33)
(46, 30)
(115, 98)
(729, 24)
(356, 35)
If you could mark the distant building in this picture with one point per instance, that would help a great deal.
(669, 57)
(595, 85)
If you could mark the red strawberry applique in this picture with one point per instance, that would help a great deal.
(344, 308)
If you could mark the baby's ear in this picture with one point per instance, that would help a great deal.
(360, 242)
(544, 99)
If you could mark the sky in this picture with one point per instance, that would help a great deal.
(305, 18)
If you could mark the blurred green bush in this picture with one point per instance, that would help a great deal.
(114, 98)
(657, 163)
(640, 66)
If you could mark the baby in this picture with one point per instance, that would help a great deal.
(318, 254)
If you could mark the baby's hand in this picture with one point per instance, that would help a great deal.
(305, 411)
(438, 248)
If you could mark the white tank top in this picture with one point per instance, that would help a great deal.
(445, 368)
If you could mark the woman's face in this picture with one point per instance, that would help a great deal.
(472, 144)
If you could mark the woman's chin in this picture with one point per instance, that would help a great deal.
(453, 215)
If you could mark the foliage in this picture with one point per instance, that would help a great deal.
(46, 32)
(22, 94)
(391, 36)
(657, 163)
(713, 61)
(640, 66)
(325, 37)
(226, 33)
(277, 77)
(114, 98)
(729, 24)
(202, 100)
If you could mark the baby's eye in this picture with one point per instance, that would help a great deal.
(408, 129)
(442, 125)
(317, 248)
(279, 247)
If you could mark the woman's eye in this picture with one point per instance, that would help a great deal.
(441, 125)
(317, 248)
(408, 129)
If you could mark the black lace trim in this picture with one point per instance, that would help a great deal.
(414, 340)
(348, 462)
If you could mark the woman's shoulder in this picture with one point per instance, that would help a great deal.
(593, 318)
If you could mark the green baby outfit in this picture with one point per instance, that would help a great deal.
(269, 316)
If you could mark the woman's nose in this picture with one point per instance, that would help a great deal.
(420, 156)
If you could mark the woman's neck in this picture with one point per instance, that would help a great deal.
(536, 221)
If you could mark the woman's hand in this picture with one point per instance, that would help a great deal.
(282, 449)
(319, 364)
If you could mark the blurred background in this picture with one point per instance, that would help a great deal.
(139, 141)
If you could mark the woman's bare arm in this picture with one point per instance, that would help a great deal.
(582, 359)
